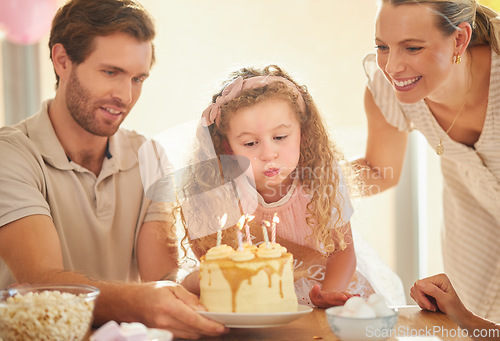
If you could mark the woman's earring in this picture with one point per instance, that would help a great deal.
(457, 59)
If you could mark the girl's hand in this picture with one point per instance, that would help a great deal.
(192, 282)
(325, 299)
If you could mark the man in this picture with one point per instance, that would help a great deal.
(72, 205)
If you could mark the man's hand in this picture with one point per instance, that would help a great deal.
(168, 305)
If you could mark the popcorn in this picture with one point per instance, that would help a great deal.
(359, 308)
(46, 315)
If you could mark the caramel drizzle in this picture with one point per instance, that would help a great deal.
(235, 276)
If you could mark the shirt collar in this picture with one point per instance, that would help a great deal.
(40, 130)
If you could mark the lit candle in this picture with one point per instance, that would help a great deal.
(222, 222)
(265, 225)
(239, 235)
(248, 219)
(275, 221)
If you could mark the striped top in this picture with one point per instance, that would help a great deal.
(471, 194)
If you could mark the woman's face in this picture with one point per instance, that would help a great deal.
(415, 56)
(268, 134)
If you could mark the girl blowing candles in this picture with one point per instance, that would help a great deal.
(292, 169)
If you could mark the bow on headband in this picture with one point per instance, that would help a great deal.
(212, 113)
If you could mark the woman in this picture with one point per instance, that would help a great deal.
(437, 70)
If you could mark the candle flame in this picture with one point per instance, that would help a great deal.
(276, 219)
(223, 220)
(241, 222)
(268, 224)
(249, 217)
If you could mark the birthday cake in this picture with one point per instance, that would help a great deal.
(250, 279)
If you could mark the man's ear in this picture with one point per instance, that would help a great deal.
(60, 60)
(463, 37)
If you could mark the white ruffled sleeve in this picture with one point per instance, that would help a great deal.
(384, 96)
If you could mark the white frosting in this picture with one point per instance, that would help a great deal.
(268, 252)
(251, 247)
(279, 247)
(219, 252)
(243, 255)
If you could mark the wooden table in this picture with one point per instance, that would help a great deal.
(412, 322)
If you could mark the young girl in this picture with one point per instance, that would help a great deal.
(267, 153)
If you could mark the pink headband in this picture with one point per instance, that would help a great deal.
(230, 92)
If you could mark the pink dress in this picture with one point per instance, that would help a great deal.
(201, 213)
(309, 261)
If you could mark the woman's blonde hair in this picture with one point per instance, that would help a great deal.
(318, 163)
(453, 12)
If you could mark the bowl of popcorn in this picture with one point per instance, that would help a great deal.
(46, 312)
(359, 319)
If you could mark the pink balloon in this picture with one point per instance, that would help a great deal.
(26, 21)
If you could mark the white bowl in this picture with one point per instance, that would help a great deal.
(46, 312)
(360, 329)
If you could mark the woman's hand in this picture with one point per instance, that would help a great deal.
(325, 299)
(436, 293)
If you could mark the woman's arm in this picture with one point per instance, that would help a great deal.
(437, 292)
(381, 167)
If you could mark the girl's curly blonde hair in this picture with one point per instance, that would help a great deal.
(317, 169)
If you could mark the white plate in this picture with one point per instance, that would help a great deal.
(264, 320)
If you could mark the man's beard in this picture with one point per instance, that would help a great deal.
(82, 108)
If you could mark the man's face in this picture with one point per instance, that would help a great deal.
(102, 90)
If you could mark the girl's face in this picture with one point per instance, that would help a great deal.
(268, 134)
(413, 53)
